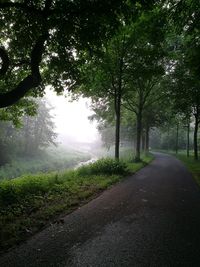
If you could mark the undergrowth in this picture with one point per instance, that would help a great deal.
(30, 202)
(44, 162)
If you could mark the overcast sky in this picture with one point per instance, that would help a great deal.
(71, 118)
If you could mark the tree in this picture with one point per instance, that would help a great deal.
(155, 115)
(109, 76)
(185, 29)
(48, 35)
(14, 113)
(186, 94)
(105, 79)
(38, 131)
(144, 67)
(27, 139)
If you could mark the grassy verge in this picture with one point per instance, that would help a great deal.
(192, 165)
(29, 203)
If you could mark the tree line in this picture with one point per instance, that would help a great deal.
(29, 135)
(137, 60)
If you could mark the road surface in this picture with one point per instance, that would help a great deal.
(150, 219)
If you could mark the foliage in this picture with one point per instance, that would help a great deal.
(29, 202)
(127, 132)
(183, 68)
(134, 167)
(126, 71)
(33, 134)
(25, 107)
(165, 137)
(53, 159)
(51, 34)
(192, 165)
(103, 166)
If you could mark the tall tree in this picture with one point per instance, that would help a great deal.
(185, 26)
(186, 93)
(105, 79)
(144, 66)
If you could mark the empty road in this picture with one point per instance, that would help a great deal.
(150, 219)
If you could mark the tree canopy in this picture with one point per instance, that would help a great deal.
(40, 42)
(137, 55)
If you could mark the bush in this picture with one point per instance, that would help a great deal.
(103, 166)
(25, 188)
(30, 201)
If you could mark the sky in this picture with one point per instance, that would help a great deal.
(71, 118)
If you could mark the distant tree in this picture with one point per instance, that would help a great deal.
(33, 134)
(185, 64)
(186, 94)
(155, 114)
(38, 131)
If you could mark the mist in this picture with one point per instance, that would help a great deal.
(72, 124)
(58, 136)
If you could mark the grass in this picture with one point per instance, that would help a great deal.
(31, 202)
(51, 160)
(133, 167)
(192, 164)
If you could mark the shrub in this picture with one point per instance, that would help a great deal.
(27, 187)
(103, 166)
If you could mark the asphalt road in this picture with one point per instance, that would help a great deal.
(149, 219)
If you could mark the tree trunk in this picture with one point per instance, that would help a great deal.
(143, 140)
(177, 137)
(31, 81)
(118, 97)
(117, 125)
(188, 140)
(168, 138)
(117, 135)
(147, 140)
(196, 137)
(138, 138)
(26, 136)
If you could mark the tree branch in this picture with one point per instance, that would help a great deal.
(22, 6)
(31, 81)
(130, 106)
(150, 87)
(5, 61)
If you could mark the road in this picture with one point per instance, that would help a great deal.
(150, 219)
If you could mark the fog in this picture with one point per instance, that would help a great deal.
(40, 146)
(71, 121)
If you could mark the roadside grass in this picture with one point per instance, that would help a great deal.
(31, 202)
(135, 166)
(192, 165)
(128, 156)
